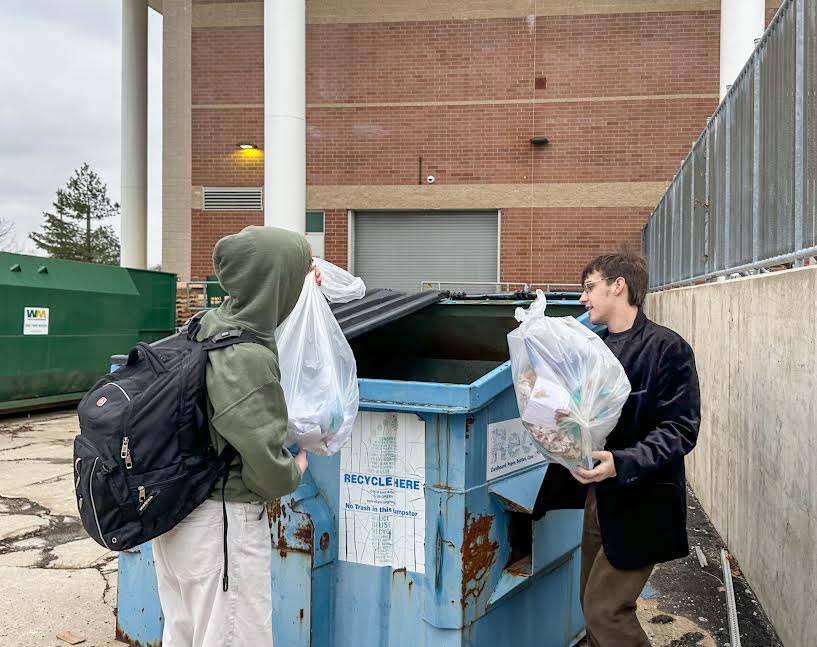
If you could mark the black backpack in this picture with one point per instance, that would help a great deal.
(143, 459)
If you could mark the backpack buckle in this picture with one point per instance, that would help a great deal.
(227, 334)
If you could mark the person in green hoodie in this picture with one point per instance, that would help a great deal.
(263, 271)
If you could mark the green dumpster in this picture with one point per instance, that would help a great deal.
(215, 293)
(61, 321)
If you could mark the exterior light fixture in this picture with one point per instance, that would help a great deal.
(538, 140)
(246, 147)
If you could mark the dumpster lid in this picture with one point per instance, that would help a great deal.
(509, 298)
(378, 308)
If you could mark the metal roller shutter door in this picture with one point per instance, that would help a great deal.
(400, 249)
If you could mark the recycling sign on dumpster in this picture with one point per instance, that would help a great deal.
(382, 500)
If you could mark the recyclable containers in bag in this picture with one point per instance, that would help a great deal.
(569, 385)
(318, 374)
(417, 533)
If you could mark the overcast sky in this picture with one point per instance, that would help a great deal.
(60, 80)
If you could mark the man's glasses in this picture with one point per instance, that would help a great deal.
(588, 285)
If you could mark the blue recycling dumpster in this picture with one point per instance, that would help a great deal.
(418, 532)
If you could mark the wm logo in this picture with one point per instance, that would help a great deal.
(35, 313)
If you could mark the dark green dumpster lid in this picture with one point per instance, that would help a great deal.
(378, 308)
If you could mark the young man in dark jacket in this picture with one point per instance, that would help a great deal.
(634, 499)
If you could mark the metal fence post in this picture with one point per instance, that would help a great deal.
(675, 242)
(799, 124)
(656, 246)
(707, 226)
(692, 215)
(727, 183)
(651, 253)
(756, 161)
(668, 242)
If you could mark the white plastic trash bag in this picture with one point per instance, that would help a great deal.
(338, 285)
(318, 374)
(569, 386)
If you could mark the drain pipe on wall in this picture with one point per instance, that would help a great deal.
(285, 114)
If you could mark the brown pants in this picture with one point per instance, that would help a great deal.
(608, 595)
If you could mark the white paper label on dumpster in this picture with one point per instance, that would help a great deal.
(510, 448)
(35, 320)
(382, 492)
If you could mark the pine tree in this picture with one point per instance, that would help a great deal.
(59, 238)
(68, 233)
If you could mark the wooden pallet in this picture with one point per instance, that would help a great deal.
(191, 297)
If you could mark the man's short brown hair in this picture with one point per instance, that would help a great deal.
(627, 265)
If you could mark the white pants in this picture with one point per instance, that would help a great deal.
(190, 566)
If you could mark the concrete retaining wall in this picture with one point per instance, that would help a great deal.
(755, 466)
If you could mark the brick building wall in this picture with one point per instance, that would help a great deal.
(620, 96)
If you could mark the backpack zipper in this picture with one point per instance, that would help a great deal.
(121, 389)
(141, 489)
(93, 503)
(125, 453)
(148, 501)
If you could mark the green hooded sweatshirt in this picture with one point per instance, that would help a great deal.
(263, 270)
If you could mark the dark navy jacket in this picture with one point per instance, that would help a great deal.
(642, 511)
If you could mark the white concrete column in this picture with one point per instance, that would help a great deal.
(285, 114)
(134, 133)
(742, 21)
(177, 137)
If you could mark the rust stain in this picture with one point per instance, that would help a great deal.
(278, 522)
(274, 511)
(404, 572)
(478, 555)
(324, 541)
(123, 637)
(305, 535)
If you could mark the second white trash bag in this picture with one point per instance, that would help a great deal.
(318, 374)
(569, 386)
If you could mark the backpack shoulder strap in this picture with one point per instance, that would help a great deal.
(227, 457)
(229, 453)
(230, 337)
(192, 325)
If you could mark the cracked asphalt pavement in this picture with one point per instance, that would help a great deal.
(53, 577)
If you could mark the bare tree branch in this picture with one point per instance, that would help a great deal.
(7, 240)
